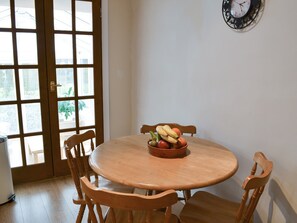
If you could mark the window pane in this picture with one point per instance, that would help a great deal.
(5, 18)
(31, 114)
(34, 149)
(6, 51)
(63, 49)
(9, 122)
(62, 15)
(83, 16)
(14, 152)
(7, 85)
(63, 137)
(65, 78)
(25, 14)
(29, 84)
(84, 49)
(66, 111)
(27, 48)
(85, 81)
(86, 112)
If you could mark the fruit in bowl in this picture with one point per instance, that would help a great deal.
(166, 137)
(167, 142)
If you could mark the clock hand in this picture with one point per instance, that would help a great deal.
(241, 3)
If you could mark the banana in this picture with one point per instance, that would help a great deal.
(169, 139)
(170, 132)
(161, 131)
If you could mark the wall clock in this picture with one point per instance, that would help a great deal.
(240, 14)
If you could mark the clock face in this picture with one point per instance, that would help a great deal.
(239, 8)
(239, 14)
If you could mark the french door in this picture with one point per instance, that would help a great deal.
(50, 81)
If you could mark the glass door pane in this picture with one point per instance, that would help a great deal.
(5, 18)
(62, 15)
(9, 120)
(83, 16)
(29, 84)
(84, 49)
(7, 85)
(34, 149)
(25, 14)
(63, 49)
(6, 47)
(27, 48)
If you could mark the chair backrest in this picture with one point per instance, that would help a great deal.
(77, 158)
(127, 202)
(254, 184)
(185, 129)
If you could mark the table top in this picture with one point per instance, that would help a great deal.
(126, 160)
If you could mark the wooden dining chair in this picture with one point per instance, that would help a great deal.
(78, 164)
(185, 129)
(129, 208)
(204, 207)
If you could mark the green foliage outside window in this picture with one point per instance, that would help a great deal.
(68, 107)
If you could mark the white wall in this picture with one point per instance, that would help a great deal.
(117, 67)
(240, 89)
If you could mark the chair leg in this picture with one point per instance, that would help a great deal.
(89, 214)
(80, 213)
(187, 194)
(149, 192)
(89, 218)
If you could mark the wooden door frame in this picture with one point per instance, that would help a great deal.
(43, 170)
(61, 167)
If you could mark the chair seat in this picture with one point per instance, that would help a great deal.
(103, 184)
(139, 216)
(113, 186)
(204, 207)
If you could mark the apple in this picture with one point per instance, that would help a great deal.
(177, 131)
(182, 142)
(176, 145)
(163, 144)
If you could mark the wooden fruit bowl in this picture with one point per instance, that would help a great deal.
(168, 153)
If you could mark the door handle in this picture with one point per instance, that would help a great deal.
(53, 86)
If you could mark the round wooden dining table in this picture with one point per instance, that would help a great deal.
(126, 160)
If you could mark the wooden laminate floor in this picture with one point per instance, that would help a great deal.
(48, 201)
